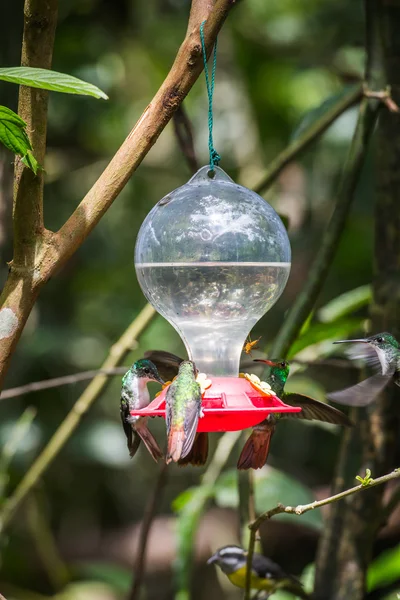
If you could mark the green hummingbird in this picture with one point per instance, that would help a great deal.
(382, 353)
(168, 366)
(255, 451)
(182, 412)
(135, 395)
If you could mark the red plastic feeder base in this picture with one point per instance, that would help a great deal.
(230, 404)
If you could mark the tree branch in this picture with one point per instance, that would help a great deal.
(22, 285)
(301, 509)
(306, 139)
(40, 20)
(72, 420)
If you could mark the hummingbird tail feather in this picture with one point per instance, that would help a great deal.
(176, 439)
(133, 443)
(199, 452)
(255, 451)
(144, 433)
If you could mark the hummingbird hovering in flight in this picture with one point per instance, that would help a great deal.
(182, 412)
(382, 352)
(168, 366)
(135, 395)
(255, 451)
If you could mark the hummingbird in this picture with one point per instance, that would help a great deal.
(255, 451)
(168, 366)
(382, 352)
(134, 395)
(182, 412)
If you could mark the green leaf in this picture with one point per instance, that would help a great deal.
(345, 304)
(385, 569)
(30, 161)
(270, 487)
(367, 480)
(12, 132)
(9, 115)
(315, 114)
(320, 332)
(14, 137)
(50, 80)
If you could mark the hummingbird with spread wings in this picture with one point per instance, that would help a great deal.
(382, 353)
(255, 451)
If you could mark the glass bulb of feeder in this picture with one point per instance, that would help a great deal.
(213, 257)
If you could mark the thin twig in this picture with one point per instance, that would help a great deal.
(184, 134)
(303, 141)
(117, 354)
(46, 384)
(151, 507)
(301, 509)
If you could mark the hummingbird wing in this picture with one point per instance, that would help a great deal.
(182, 413)
(167, 363)
(132, 438)
(314, 410)
(192, 416)
(362, 393)
(367, 353)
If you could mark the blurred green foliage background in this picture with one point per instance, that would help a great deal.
(277, 61)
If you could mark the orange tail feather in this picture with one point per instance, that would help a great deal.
(176, 440)
(255, 451)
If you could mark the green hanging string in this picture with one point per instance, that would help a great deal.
(214, 156)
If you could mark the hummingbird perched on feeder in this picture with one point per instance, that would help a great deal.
(134, 395)
(182, 412)
(255, 451)
(382, 352)
(168, 367)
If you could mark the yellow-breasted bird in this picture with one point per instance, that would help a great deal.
(168, 366)
(256, 449)
(265, 574)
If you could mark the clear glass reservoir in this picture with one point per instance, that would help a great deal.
(213, 257)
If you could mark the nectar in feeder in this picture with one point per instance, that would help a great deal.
(213, 257)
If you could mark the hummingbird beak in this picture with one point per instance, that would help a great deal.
(359, 341)
(265, 361)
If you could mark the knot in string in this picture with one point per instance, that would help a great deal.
(214, 156)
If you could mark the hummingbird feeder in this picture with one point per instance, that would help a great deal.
(213, 257)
